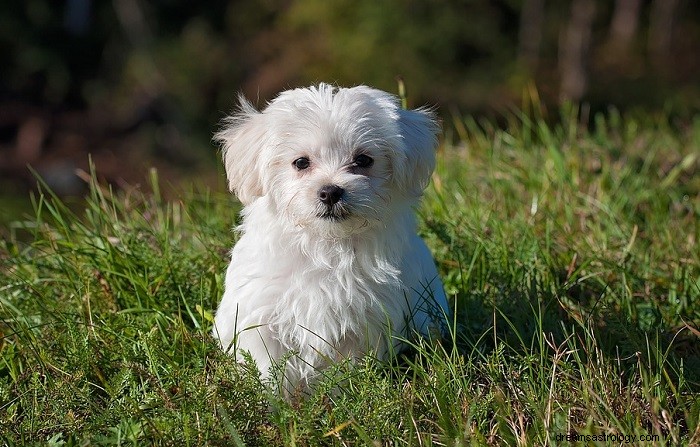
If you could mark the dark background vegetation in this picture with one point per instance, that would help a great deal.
(141, 83)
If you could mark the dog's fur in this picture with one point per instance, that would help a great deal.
(328, 265)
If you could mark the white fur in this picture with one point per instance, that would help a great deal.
(327, 288)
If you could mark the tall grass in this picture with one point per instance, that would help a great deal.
(570, 252)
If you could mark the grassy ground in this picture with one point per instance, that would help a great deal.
(573, 260)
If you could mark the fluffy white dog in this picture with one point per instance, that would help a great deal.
(328, 265)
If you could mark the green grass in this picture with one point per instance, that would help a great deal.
(572, 257)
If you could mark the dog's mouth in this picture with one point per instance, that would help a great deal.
(335, 213)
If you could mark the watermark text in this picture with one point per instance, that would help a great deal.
(623, 439)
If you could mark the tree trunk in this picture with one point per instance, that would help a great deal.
(624, 25)
(574, 45)
(661, 23)
(530, 36)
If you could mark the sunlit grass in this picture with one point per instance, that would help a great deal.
(571, 255)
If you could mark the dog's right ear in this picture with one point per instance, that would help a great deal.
(242, 138)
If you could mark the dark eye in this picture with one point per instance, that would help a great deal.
(301, 163)
(363, 161)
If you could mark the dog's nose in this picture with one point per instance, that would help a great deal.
(330, 194)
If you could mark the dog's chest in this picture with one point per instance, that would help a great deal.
(333, 301)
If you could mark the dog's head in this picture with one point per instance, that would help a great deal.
(330, 159)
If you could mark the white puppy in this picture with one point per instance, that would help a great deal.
(328, 265)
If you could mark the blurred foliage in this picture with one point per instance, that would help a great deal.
(436, 46)
(157, 76)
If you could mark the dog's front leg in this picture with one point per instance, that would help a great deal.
(263, 346)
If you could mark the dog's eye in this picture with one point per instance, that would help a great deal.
(363, 161)
(301, 163)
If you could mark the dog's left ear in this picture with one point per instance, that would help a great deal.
(419, 130)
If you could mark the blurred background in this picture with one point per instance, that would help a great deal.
(138, 83)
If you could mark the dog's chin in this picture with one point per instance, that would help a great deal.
(335, 225)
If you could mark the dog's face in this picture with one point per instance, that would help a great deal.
(331, 161)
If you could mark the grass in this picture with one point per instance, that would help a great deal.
(571, 253)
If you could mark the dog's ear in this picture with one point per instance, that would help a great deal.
(242, 139)
(419, 130)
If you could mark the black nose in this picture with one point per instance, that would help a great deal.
(330, 194)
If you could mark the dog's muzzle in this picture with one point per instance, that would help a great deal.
(331, 198)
